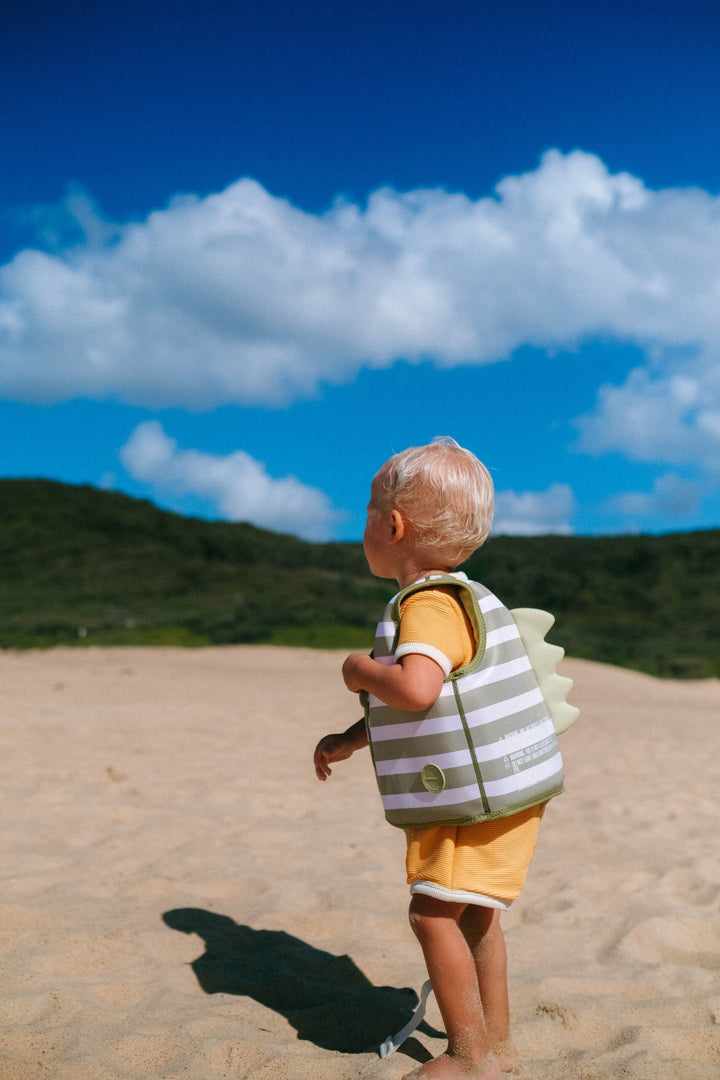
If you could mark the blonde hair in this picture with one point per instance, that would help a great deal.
(445, 493)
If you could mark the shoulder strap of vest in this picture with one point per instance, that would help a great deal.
(532, 623)
(469, 599)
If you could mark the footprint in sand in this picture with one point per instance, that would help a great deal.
(688, 887)
(559, 1013)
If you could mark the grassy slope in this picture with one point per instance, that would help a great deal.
(82, 565)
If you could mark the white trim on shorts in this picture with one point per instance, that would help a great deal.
(458, 896)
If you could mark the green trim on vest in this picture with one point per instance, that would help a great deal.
(472, 608)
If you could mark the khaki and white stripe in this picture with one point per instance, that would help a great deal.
(486, 748)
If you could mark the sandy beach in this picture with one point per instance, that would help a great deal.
(181, 898)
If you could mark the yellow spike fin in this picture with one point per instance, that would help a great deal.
(533, 625)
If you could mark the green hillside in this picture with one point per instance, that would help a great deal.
(82, 566)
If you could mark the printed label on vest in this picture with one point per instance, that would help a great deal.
(519, 758)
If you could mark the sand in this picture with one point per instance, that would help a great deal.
(181, 898)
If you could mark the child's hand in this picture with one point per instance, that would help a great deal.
(331, 748)
(338, 747)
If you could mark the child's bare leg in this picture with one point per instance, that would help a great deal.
(483, 933)
(452, 971)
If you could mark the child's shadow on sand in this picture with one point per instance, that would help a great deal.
(326, 998)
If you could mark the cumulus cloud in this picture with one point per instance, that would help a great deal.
(533, 513)
(671, 495)
(242, 297)
(237, 484)
(667, 412)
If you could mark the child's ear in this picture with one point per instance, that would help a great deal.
(397, 526)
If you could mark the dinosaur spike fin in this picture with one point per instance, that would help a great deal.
(533, 625)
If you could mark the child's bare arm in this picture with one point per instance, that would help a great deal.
(413, 683)
(338, 747)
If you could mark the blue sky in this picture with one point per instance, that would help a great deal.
(249, 250)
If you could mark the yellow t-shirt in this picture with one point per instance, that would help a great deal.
(491, 857)
(434, 623)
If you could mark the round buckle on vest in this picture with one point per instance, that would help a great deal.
(433, 778)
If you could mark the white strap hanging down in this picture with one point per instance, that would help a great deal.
(394, 1041)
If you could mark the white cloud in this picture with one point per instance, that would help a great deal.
(238, 485)
(241, 297)
(76, 220)
(671, 496)
(668, 412)
(534, 513)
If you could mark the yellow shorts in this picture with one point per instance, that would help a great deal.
(489, 859)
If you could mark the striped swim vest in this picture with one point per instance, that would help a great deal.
(486, 747)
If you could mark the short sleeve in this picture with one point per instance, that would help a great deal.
(434, 623)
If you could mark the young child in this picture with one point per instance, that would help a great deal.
(464, 751)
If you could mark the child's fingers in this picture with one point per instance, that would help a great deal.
(330, 748)
(322, 773)
(322, 769)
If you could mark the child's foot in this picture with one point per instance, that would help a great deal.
(450, 1068)
(507, 1055)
